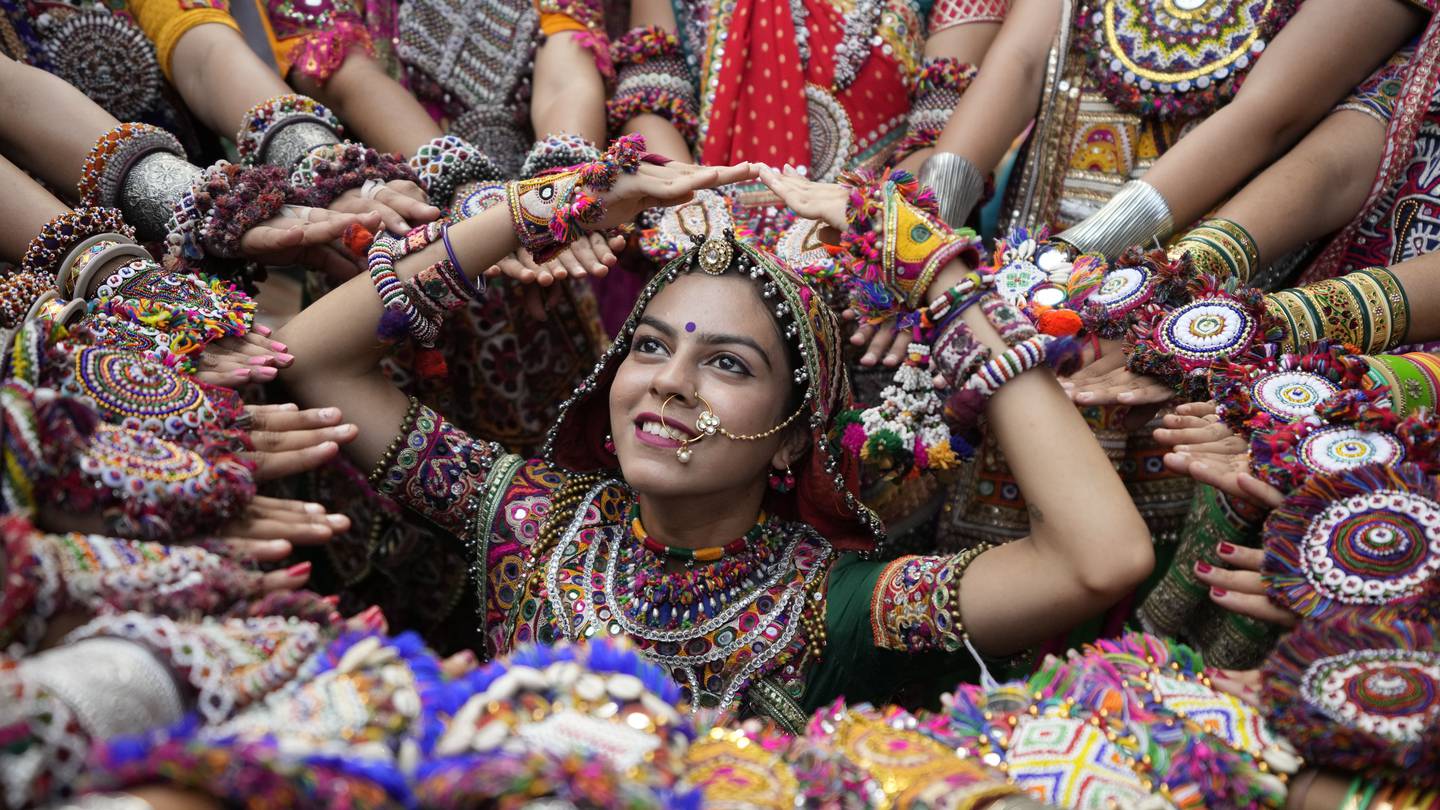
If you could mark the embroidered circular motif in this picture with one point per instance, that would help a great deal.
(140, 393)
(1176, 58)
(1290, 395)
(1391, 693)
(1336, 448)
(141, 465)
(109, 58)
(1206, 330)
(1016, 279)
(1124, 288)
(1373, 548)
(831, 135)
(480, 199)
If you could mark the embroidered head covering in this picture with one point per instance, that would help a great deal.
(826, 491)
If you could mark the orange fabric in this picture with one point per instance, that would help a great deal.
(553, 23)
(165, 21)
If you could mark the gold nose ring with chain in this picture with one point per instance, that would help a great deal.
(707, 424)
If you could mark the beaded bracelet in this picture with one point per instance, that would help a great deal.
(1009, 364)
(448, 162)
(560, 151)
(441, 287)
(47, 250)
(264, 122)
(938, 88)
(949, 304)
(194, 309)
(1138, 285)
(895, 243)
(112, 157)
(1012, 325)
(329, 171)
(80, 267)
(652, 78)
(957, 353)
(18, 292)
(401, 316)
(550, 211)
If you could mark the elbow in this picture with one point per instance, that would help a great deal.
(1114, 568)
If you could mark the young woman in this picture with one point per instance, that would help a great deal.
(649, 515)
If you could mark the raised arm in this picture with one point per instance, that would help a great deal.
(379, 110)
(660, 133)
(571, 64)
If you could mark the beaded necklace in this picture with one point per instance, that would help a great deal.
(694, 555)
(695, 621)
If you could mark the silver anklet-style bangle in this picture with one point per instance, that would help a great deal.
(294, 139)
(113, 686)
(151, 189)
(1137, 215)
(957, 183)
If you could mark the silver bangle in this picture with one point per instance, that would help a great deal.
(957, 184)
(81, 290)
(105, 801)
(292, 139)
(1137, 215)
(113, 686)
(151, 189)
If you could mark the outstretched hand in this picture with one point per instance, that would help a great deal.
(307, 236)
(652, 186)
(288, 440)
(824, 202)
(1205, 449)
(1108, 382)
(400, 204)
(1239, 587)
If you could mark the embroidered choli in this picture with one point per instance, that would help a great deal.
(551, 558)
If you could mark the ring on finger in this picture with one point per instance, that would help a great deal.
(371, 188)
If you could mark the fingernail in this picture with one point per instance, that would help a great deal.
(285, 358)
(337, 521)
(314, 508)
(241, 374)
(1226, 548)
(373, 617)
(334, 618)
(260, 329)
(1203, 568)
(328, 413)
(1217, 592)
(278, 346)
(298, 570)
(333, 600)
(260, 361)
(266, 372)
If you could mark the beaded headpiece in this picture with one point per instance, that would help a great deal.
(825, 496)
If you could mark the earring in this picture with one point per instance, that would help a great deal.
(782, 483)
(609, 444)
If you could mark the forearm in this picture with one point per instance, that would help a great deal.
(49, 125)
(220, 78)
(661, 137)
(1315, 189)
(568, 91)
(25, 207)
(1267, 115)
(1006, 92)
(376, 108)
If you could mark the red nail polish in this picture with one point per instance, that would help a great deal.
(1218, 592)
(1203, 568)
(373, 617)
(1226, 548)
(298, 570)
(332, 600)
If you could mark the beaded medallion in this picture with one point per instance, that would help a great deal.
(736, 772)
(107, 57)
(832, 138)
(1392, 693)
(1124, 289)
(1336, 448)
(1206, 330)
(1290, 395)
(139, 465)
(1175, 58)
(140, 394)
(1371, 537)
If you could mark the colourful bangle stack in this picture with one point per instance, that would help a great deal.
(652, 79)
(1220, 248)
(439, 289)
(114, 154)
(266, 120)
(1367, 309)
(18, 293)
(550, 211)
(446, 163)
(895, 243)
(1413, 380)
(329, 171)
(938, 88)
(401, 317)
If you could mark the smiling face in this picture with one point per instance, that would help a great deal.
(711, 335)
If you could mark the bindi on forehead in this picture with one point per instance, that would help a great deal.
(689, 326)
